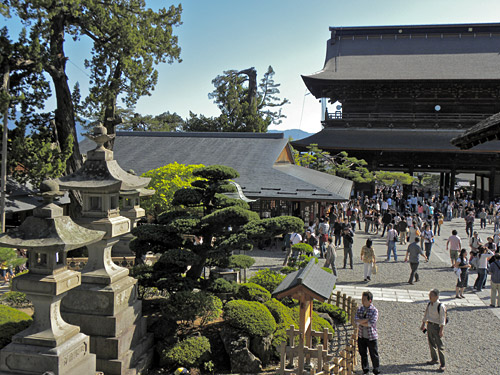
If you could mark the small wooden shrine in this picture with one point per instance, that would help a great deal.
(306, 285)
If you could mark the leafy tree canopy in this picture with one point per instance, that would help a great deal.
(165, 121)
(224, 224)
(244, 105)
(166, 181)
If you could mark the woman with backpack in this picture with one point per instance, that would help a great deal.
(463, 264)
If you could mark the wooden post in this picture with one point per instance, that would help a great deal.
(337, 302)
(301, 355)
(320, 357)
(282, 358)
(291, 335)
(344, 297)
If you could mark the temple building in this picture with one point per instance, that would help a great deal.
(405, 92)
(268, 173)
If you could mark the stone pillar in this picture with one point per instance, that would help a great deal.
(50, 343)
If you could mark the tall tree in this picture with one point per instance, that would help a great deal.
(128, 40)
(164, 122)
(244, 105)
(33, 152)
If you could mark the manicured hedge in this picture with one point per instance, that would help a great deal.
(253, 292)
(284, 319)
(12, 321)
(191, 352)
(252, 317)
(267, 279)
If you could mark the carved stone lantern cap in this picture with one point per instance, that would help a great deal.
(48, 230)
(100, 172)
(100, 135)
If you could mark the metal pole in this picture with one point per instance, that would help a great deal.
(3, 177)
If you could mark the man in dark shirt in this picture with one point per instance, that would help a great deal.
(348, 239)
(386, 220)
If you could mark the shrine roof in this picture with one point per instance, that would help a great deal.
(484, 131)
(254, 155)
(410, 52)
(319, 282)
(411, 140)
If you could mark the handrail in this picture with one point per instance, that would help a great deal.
(382, 116)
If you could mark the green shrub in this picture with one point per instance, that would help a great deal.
(186, 306)
(15, 299)
(267, 279)
(252, 317)
(303, 248)
(241, 261)
(253, 292)
(221, 285)
(283, 316)
(12, 321)
(191, 352)
(288, 269)
(336, 313)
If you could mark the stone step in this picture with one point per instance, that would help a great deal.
(130, 360)
(113, 347)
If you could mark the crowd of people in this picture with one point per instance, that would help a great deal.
(413, 221)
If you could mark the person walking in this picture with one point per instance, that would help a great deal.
(469, 223)
(428, 236)
(402, 229)
(366, 319)
(462, 263)
(392, 238)
(482, 267)
(495, 282)
(435, 320)
(348, 239)
(368, 258)
(454, 244)
(331, 256)
(413, 254)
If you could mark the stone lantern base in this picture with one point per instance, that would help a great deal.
(112, 316)
(73, 357)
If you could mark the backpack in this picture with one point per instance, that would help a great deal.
(445, 312)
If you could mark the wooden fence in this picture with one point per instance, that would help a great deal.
(327, 363)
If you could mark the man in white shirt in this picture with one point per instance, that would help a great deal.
(435, 318)
(454, 244)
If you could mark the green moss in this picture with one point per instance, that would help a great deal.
(12, 321)
(252, 317)
(253, 292)
(191, 352)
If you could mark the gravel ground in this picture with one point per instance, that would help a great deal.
(403, 347)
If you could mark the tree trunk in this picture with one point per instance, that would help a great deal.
(65, 112)
(110, 117)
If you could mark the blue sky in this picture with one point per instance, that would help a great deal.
(290, 35)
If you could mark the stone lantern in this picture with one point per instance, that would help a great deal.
(132, 210)
(105, 306)
(50, 343)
